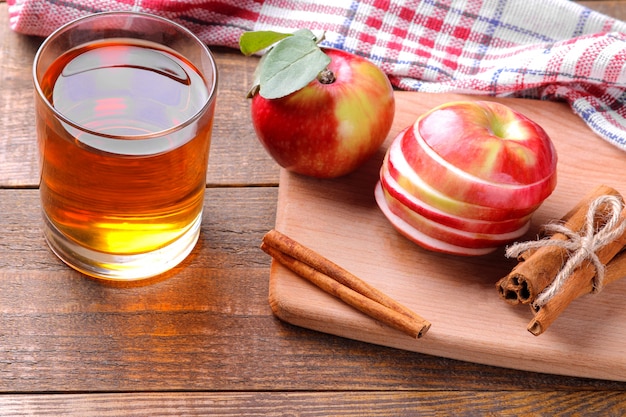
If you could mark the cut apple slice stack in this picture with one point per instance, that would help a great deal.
(466, 178)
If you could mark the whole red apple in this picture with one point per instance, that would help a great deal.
(466, 177)
(331, 126)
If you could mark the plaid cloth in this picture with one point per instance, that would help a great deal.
(543, 49)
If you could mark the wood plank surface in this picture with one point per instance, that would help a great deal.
(203, 340)
(341, 220)
(207, 327)
(324, 404)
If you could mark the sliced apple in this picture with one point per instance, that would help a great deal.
(406, 177)
(487, 170)
(421, 239)
(422, 208)
(466, 177)
(449, 234)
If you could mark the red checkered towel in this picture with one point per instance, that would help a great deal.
(544, 49)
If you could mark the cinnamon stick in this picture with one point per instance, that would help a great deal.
(340, 283)
(616, 268)
(580, 282)
(538, 267)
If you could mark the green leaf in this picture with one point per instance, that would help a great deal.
(252, 42)
(290, 65)
(256, 82)
(306, 33)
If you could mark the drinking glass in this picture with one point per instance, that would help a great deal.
(124, 111)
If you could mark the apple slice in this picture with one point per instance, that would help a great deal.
(487, 170)
(474, 240)
(422, 208)
(421, 239)
(406, 177)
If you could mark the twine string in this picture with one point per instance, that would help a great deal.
(582, 246)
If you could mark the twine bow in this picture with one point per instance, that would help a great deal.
(582, 246)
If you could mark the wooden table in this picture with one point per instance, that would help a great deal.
(203, 340)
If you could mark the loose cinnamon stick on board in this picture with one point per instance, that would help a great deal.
(538, 267)
(342, 284)
(580, 282)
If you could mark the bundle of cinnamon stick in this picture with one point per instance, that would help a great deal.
(577, 256)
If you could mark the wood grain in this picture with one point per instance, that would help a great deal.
(320, 404)
(341, 221)
(204, 340)
(207, 327)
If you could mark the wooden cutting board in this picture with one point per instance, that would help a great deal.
(340, 219)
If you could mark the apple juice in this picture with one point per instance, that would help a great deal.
(118, 175)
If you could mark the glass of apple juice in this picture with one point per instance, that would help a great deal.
(124, 110)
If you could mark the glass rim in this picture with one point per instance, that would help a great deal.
(209, 100)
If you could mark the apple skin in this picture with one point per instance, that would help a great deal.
(421, 239)
(451, 235)
(328, 130)
(466, 178)
(408, 180)
(482, 153)
(393, 191)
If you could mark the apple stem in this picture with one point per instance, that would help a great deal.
(326, 76)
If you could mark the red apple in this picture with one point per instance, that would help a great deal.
(451, 235)
(327, 130)
(482, 153)
(423, 240)
(466, 177)
(393, 191)
(398, 169)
